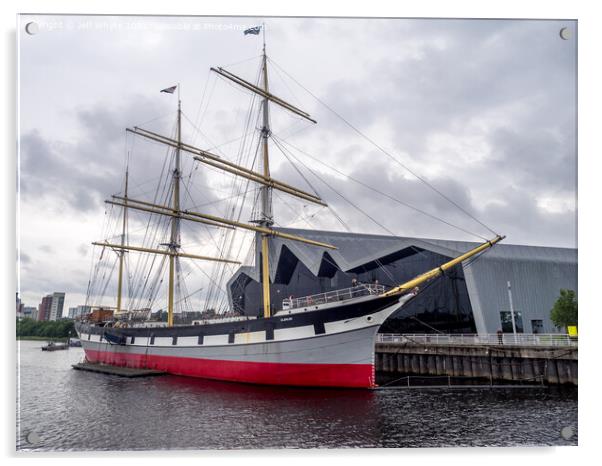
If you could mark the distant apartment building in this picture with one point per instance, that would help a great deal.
(78, 311)
(44, 308)
(30, 312)
(25, 311)
(56, 306)
(19, 306)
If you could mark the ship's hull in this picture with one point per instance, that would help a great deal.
(332, 347)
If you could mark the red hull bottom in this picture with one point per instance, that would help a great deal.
(305, 375)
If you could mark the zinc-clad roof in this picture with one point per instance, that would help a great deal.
(537, 273)
(357, 249)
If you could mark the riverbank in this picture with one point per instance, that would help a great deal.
(409, 360)
(38, 338)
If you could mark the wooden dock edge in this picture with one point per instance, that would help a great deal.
(116, 370)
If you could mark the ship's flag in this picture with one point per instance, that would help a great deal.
(254, 31)
(170, 90)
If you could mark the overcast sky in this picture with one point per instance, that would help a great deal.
(484, 110)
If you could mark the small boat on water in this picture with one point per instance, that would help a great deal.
(52, 346)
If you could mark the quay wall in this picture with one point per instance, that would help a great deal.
(551, 365)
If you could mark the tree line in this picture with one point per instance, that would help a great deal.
(27, 327)
(565, 310)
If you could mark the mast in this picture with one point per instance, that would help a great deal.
(175, 220)
(266, 193)
(263, 225)
(123, 251)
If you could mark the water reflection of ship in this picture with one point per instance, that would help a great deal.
(354, 414)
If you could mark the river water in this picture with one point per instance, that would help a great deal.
(63, 409)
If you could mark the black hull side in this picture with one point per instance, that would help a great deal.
(317, 318)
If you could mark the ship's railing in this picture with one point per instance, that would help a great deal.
(222, 318)
(362, 289)
(521, 339)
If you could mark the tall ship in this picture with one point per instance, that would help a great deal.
(321, 340)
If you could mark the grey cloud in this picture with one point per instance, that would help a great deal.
(83, 172)
(464, 69)
(82, 249)
(536, 159)
(349, 199)
(528, 224)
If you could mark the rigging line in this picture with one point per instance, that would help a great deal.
(181, 289)
(380, 148)
(151, 235)
(334, 264)
(329, 207)
(234, 236)
(157, 281)
(359, 209)
(209, 231)
(143, 261)
(297, 101)
(210, 149)
(385, 270)
(296, 168)
(154, 119)
(104, 289)
(426, 325)
(189, 294)
(345, 224)
(219, 272)
(242, 61)
(134, 186)
(217, 285)
(202, 133)
(198, 113)
(475, 258)
(197, 186)
(129, 280)
(292, 133)
(94, 266)
(297, 215)
(254, 103)
(440, 277)
(353, 205)
(95, 282)
(190, 177)
(231, 265)
(388, 196)
(218, 146)
(211, 203)
(151, 238)
(239, 89)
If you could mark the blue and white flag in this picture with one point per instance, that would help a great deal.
(254, 30)
(169, 90)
